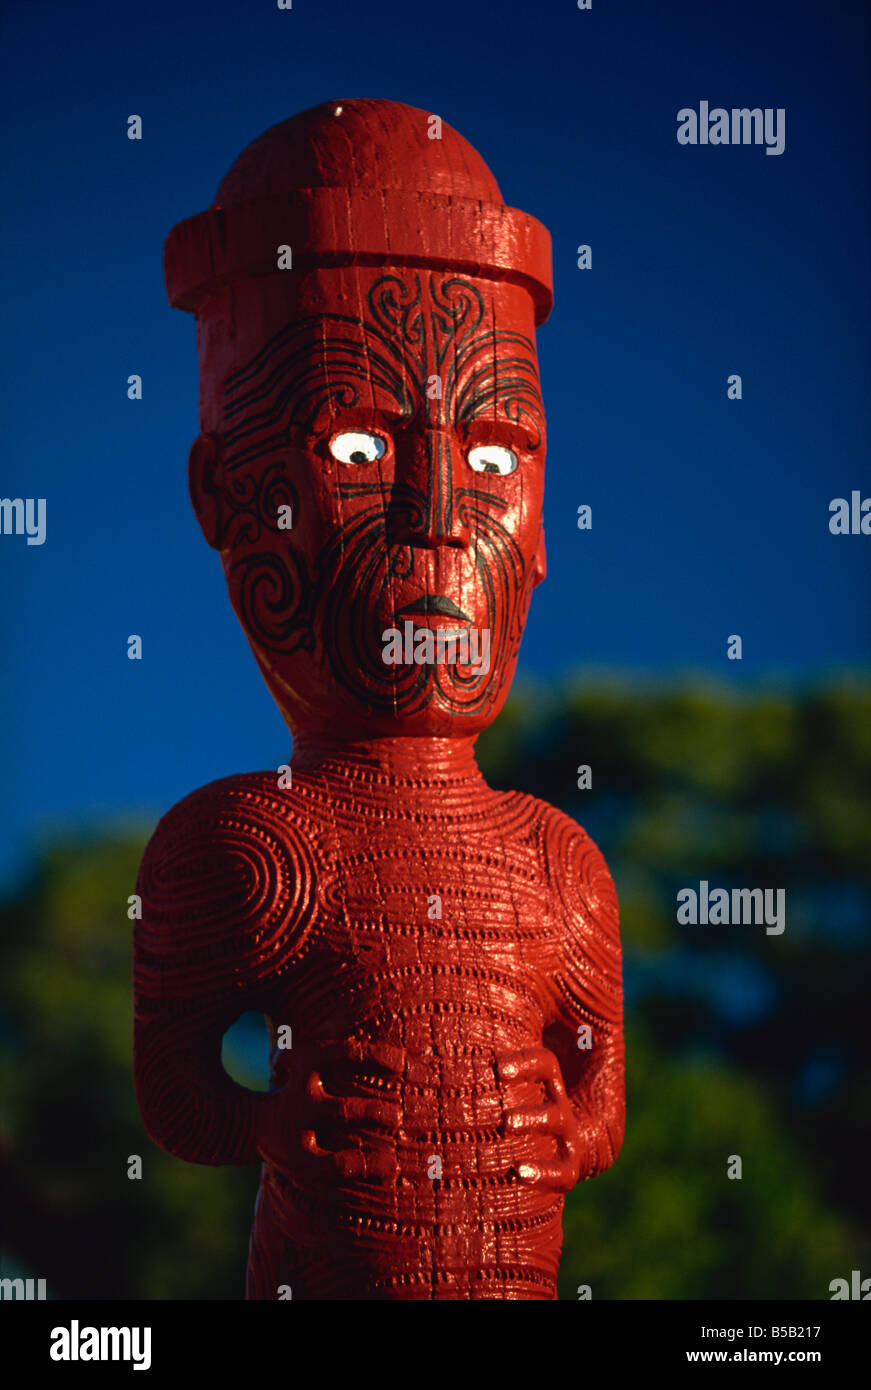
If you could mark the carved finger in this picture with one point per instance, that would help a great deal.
(551, 1075)
(528, 1064)
(543, 1117)
(554, 1177)
(361, 1110)
(309, 1141)
(389, 1058)
(365, 1163)
(315, 1089)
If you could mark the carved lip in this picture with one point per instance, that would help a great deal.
(438, 605)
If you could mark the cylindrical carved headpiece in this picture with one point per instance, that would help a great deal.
(358, 182)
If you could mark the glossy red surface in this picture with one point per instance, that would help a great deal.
(446, 957)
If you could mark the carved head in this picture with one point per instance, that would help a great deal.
(371, 462)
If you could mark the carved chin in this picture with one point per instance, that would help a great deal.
(315, 638)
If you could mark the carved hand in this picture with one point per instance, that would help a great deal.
(554, 1120)
(302, 1127)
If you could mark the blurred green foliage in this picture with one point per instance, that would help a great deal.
(737, 1042)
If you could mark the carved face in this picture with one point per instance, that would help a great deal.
(375, 474)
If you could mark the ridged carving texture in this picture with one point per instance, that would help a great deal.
(311, 904)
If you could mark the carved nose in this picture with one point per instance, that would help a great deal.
(422, 511)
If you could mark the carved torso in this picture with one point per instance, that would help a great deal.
(410, 933)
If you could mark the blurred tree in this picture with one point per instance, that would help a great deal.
(70, 1121)
(668, 1222)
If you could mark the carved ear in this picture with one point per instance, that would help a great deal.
(540, 565)
(206, 484)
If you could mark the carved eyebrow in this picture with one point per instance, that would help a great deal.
(504, 385)
(301, 370)
(355, 366)
(365, 417)
(488, 365)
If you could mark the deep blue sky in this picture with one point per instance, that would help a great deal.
(710, 517)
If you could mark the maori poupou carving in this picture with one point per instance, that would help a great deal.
(446, 957)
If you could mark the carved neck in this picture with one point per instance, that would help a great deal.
(421, 761)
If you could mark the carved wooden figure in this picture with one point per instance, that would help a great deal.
(444, 958)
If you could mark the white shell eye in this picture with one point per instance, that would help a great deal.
(357, 446)
(492, 458)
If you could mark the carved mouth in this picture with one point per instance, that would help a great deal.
(434, 605)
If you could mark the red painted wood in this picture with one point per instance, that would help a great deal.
(436, 948)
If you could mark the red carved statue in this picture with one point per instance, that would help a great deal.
(442, 959)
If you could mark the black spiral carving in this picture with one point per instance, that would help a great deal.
(307, 373)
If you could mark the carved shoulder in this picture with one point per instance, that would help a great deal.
(227, 889)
